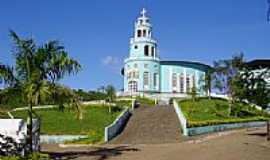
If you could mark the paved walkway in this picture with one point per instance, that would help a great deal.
(151, 125)
(245, 144)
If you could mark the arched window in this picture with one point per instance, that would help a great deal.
(133, 86)
(152, 51)
(134, 74)
(139, 33)
(146, 50)
(155, 79)
(193, 81)
(188, 88)
(174, 82)
(181, 83)
(144, 33)
(145, 78)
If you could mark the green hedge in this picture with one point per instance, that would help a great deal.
(225, 121)
(34, 156)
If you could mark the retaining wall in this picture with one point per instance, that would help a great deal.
(181, 117)
(53, 139)
(223, 127)
(117, 126)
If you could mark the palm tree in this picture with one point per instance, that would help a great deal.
(36, 72)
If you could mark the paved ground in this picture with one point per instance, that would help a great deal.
(151, 125)
(245, 144)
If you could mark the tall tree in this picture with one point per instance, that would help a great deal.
(225, 74)
(206, 82)
(36, 71)
(111, 95)
(252, 86)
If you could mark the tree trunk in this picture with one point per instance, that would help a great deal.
(80, 113)
(230, 107)
(110, 108)
(268, 130)
(30, 128)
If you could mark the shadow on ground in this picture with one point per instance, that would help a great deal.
(97, 154)
(259, 134)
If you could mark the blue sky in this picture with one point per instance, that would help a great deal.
(97, 32)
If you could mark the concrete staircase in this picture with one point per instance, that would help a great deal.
(151, 125)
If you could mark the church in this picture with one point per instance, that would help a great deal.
(145, 73)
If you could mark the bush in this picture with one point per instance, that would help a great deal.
(225, 121)
(9, 147)
(34, 156)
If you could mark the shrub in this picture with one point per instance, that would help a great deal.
(225, 121)
(33, 156)
(9, 147)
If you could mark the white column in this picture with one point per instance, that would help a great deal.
(196, 80)
(170, 80)
(185, 82)
(178, 82)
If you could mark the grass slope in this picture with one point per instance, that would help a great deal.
(55, 122)
(216, 111)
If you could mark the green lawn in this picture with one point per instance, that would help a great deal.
(145, 101)
(55, 122)
(123, 103)
(216, 111)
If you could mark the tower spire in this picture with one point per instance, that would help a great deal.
(143, 12)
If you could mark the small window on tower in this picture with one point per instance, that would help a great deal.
(144, 33)
(135, 47)
(152, 51)
(146, 50)
(139, 33)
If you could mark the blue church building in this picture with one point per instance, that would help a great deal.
(145, 73)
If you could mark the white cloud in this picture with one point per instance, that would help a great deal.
(109, 60)
(113, 63)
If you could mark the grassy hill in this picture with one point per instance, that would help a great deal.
(205, 112)
(55, 122)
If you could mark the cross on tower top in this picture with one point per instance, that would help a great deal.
(143, 12)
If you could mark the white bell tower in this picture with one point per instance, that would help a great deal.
(142, 44)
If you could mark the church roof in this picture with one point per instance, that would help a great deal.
(191, 64)
(259, 63)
